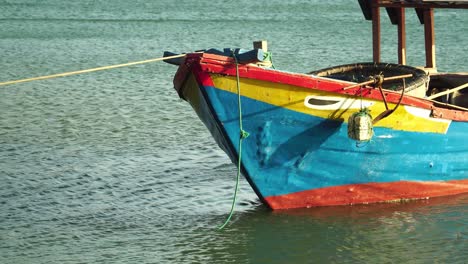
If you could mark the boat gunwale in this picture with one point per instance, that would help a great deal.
(224, 65)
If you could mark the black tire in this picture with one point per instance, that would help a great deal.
(360, 72)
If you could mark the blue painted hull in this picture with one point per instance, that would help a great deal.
(289, 152)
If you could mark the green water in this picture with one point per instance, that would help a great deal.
(111, 167)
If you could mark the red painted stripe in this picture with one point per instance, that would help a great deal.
(367, 193)
(210, 63)
(224, 65)
(203, 77)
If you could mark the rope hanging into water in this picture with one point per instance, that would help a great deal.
(242, 135)
(90, 70)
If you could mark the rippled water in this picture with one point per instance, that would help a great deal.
(111, 167)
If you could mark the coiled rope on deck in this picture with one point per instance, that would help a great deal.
(90, 70)
(242, 135)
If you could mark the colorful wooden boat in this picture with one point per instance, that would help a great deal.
(299, 153)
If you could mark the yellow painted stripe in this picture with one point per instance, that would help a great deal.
(292, 98)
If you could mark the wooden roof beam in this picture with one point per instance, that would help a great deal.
(375, 32)
(420, 13)
(397, 16)
(366, 7)
(429, 38)
(401, 35)
(460, 4)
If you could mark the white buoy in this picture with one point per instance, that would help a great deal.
(360, 126)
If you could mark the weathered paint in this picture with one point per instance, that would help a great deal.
(299, 156)
(367, 193)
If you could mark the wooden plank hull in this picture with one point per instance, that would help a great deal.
(298, 153)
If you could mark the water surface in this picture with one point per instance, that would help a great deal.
(111, 167)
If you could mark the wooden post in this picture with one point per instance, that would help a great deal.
(401, 36)
(429, 37)
(261, 44)
(376, 31)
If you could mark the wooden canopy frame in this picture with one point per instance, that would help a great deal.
(396, 12)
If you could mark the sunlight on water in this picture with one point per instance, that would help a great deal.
(112, 167)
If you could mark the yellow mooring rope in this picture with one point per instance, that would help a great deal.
(243, 134)
(89, 70)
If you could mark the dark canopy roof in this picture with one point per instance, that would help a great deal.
(366, 5)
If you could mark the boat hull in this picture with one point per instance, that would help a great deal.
(298, 153)
(365, 193)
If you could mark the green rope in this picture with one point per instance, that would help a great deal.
(268, 56)
(242, 135)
